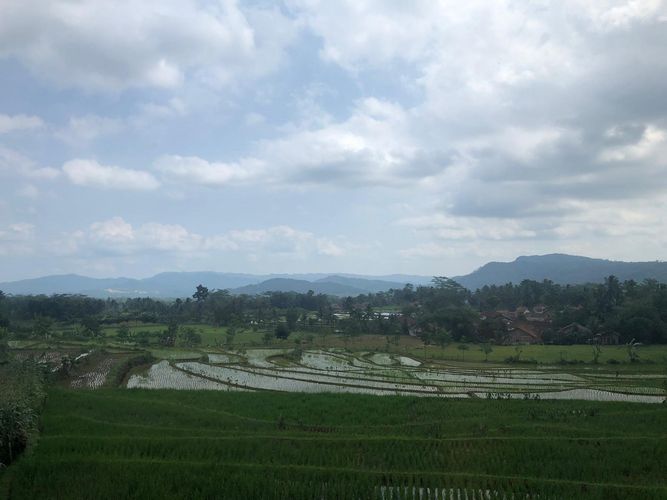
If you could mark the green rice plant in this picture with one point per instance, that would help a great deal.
(203, 444)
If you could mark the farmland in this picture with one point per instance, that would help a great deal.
(337, 370)
(115, 443)
(293, 422)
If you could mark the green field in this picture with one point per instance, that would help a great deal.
(614, 356)
(115, 443)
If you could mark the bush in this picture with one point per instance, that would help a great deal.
(281, 331)
(21, 397)
(124, 368)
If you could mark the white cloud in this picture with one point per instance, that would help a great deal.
(112, 45)
(598, 229)
(90, 173)
(172, 107)
(116, 236)
(87, 128)
(652, 145)
(199, 171)
(371, 147)
(14, 163)
(17, 239)
(19, 122)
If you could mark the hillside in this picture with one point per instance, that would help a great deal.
(562, 269)
(182, 284)
(299, 286)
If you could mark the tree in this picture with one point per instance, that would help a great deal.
(463, 348)
(91, 326)
(442, 337)
(632, 351)
(4, 346)
(42, 326)
(267, 337)
(486, 349)
(189, 337)
(291, 316)
(281, 331)
(597, 351)
(201, 294)
(123, 332)
(229, 337)
(168, 337)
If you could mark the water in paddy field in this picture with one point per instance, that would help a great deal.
(336, 371)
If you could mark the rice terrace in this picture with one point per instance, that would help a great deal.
(237, 423)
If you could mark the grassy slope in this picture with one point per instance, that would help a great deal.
(169, 444)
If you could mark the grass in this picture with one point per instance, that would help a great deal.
(171, 444)
(615, 357)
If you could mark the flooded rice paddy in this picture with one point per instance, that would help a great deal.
(380, 373)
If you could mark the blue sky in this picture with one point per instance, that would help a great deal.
(359, 136)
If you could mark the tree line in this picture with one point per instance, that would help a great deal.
(442, 312)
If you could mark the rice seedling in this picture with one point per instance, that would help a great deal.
(207, 444)
(380, 373)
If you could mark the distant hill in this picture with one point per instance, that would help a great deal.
(559, 268)
(300, 286)
(66, 283)
(182, 284)
(562, 269)
(364, 284)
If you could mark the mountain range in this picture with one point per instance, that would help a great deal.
(562, 269)
(182, 284)
(559, 268)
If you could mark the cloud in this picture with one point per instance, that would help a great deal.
(372, 147)
(87, 128)
(519, 97)
(14, 163)
(115, 236)
(598, 228)
(19, 122)
(195, 170)
(111, 45)
(17, 239)
(83, 172)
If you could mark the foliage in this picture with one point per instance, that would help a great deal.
(205, 444)
(487, 349)
(21, 397)
(442, 313)
(282, 331)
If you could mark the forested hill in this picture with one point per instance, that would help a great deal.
(181, 284)
(562, 269)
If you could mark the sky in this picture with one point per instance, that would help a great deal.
(362, 136)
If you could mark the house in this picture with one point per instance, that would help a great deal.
(540, 309)
(606, 338)
(539, 314)
(520, 333)
(574, 333)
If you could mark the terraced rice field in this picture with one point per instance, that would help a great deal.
(96, 376)
(389, 374)
(118, 443)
